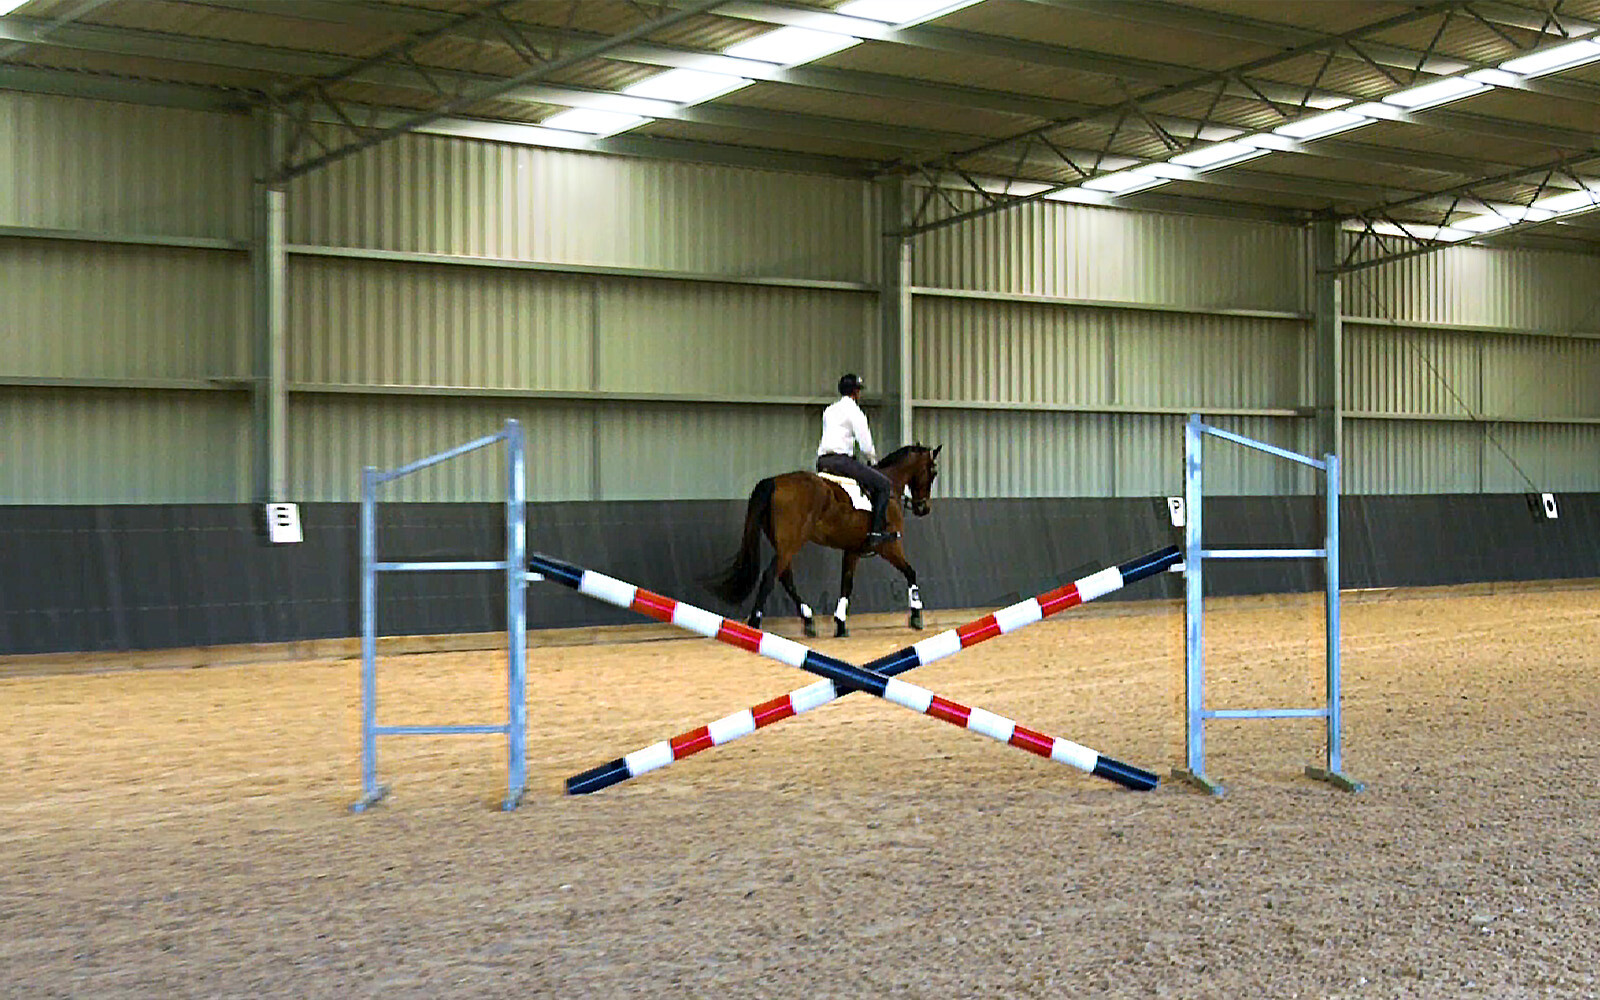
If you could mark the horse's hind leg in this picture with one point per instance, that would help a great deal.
(787, 579)
(847, 582)
(763, 591)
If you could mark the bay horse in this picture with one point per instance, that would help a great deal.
(799, 507)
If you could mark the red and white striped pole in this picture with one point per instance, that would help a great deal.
(877, 674)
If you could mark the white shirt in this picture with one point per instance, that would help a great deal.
(843, 427)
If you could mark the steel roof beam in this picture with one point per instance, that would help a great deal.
(362, 137)
(650, 147)
(68, 83)
(843, 81)
(954, 40)
(1454, 205)
(1412, 61)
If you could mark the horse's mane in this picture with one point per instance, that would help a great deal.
(894, 457)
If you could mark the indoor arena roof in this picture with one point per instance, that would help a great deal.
(1420, 124)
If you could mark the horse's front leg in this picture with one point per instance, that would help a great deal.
(896, 557)
(847, 581)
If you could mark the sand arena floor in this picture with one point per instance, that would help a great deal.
(182, 833)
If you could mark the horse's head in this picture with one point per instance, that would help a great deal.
(915, 466)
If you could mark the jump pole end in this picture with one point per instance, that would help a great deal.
(596, 778)
(1126, 775)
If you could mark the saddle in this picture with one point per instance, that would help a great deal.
(858, 496)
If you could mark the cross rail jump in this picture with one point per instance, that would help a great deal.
(876, 678)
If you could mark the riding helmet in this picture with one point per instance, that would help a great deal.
(849, 383)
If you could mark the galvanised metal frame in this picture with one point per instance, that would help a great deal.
(515, 568)
(1194, 556)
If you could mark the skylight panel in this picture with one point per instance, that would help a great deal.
(1124, 181)
(1413, 230)
(791, 46)
(1495, 77)
(901, 13)
(1569, 201)
(1318, 126)
(592, 122)
(1378, 109)
(1553, 60)
(1500, 219)
(1223, 154)
(685, 86)
(1429, 95)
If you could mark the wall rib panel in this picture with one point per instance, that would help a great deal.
(74, 309)
(333, 437)
(111, 446)
(68, 163)
(1419, 372)
(670, 452)
(1538, 458)
(444, 195)
(709, 338)
(1080, 251)
(1528, 289)
(972, 350)
(385, 323)
(1393, 456)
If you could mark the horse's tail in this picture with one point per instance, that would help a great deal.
(734, 584)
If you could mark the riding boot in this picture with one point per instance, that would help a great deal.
(880, 519)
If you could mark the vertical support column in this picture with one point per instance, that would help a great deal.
(269, 266)
(516, 617)
(371, 791)
(1328, 322)
(894, 311)
(1194, 769)
(1333, 774)
(1327, 310)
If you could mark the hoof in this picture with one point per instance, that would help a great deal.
(916, 618)
(754, 621)
(811, 628)
(840, 630)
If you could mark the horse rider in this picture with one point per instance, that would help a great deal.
(844, 427)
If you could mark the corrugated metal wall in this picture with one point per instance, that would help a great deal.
(667, 330)
(436, 287)
(121, 168)
(441, 195)
(1085, 252)
(1045, 383)
(119, 446)
(106, 310)
(1476, 286)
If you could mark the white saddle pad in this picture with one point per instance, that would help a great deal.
(858, 497)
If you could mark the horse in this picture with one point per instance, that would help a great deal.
(799, 507)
